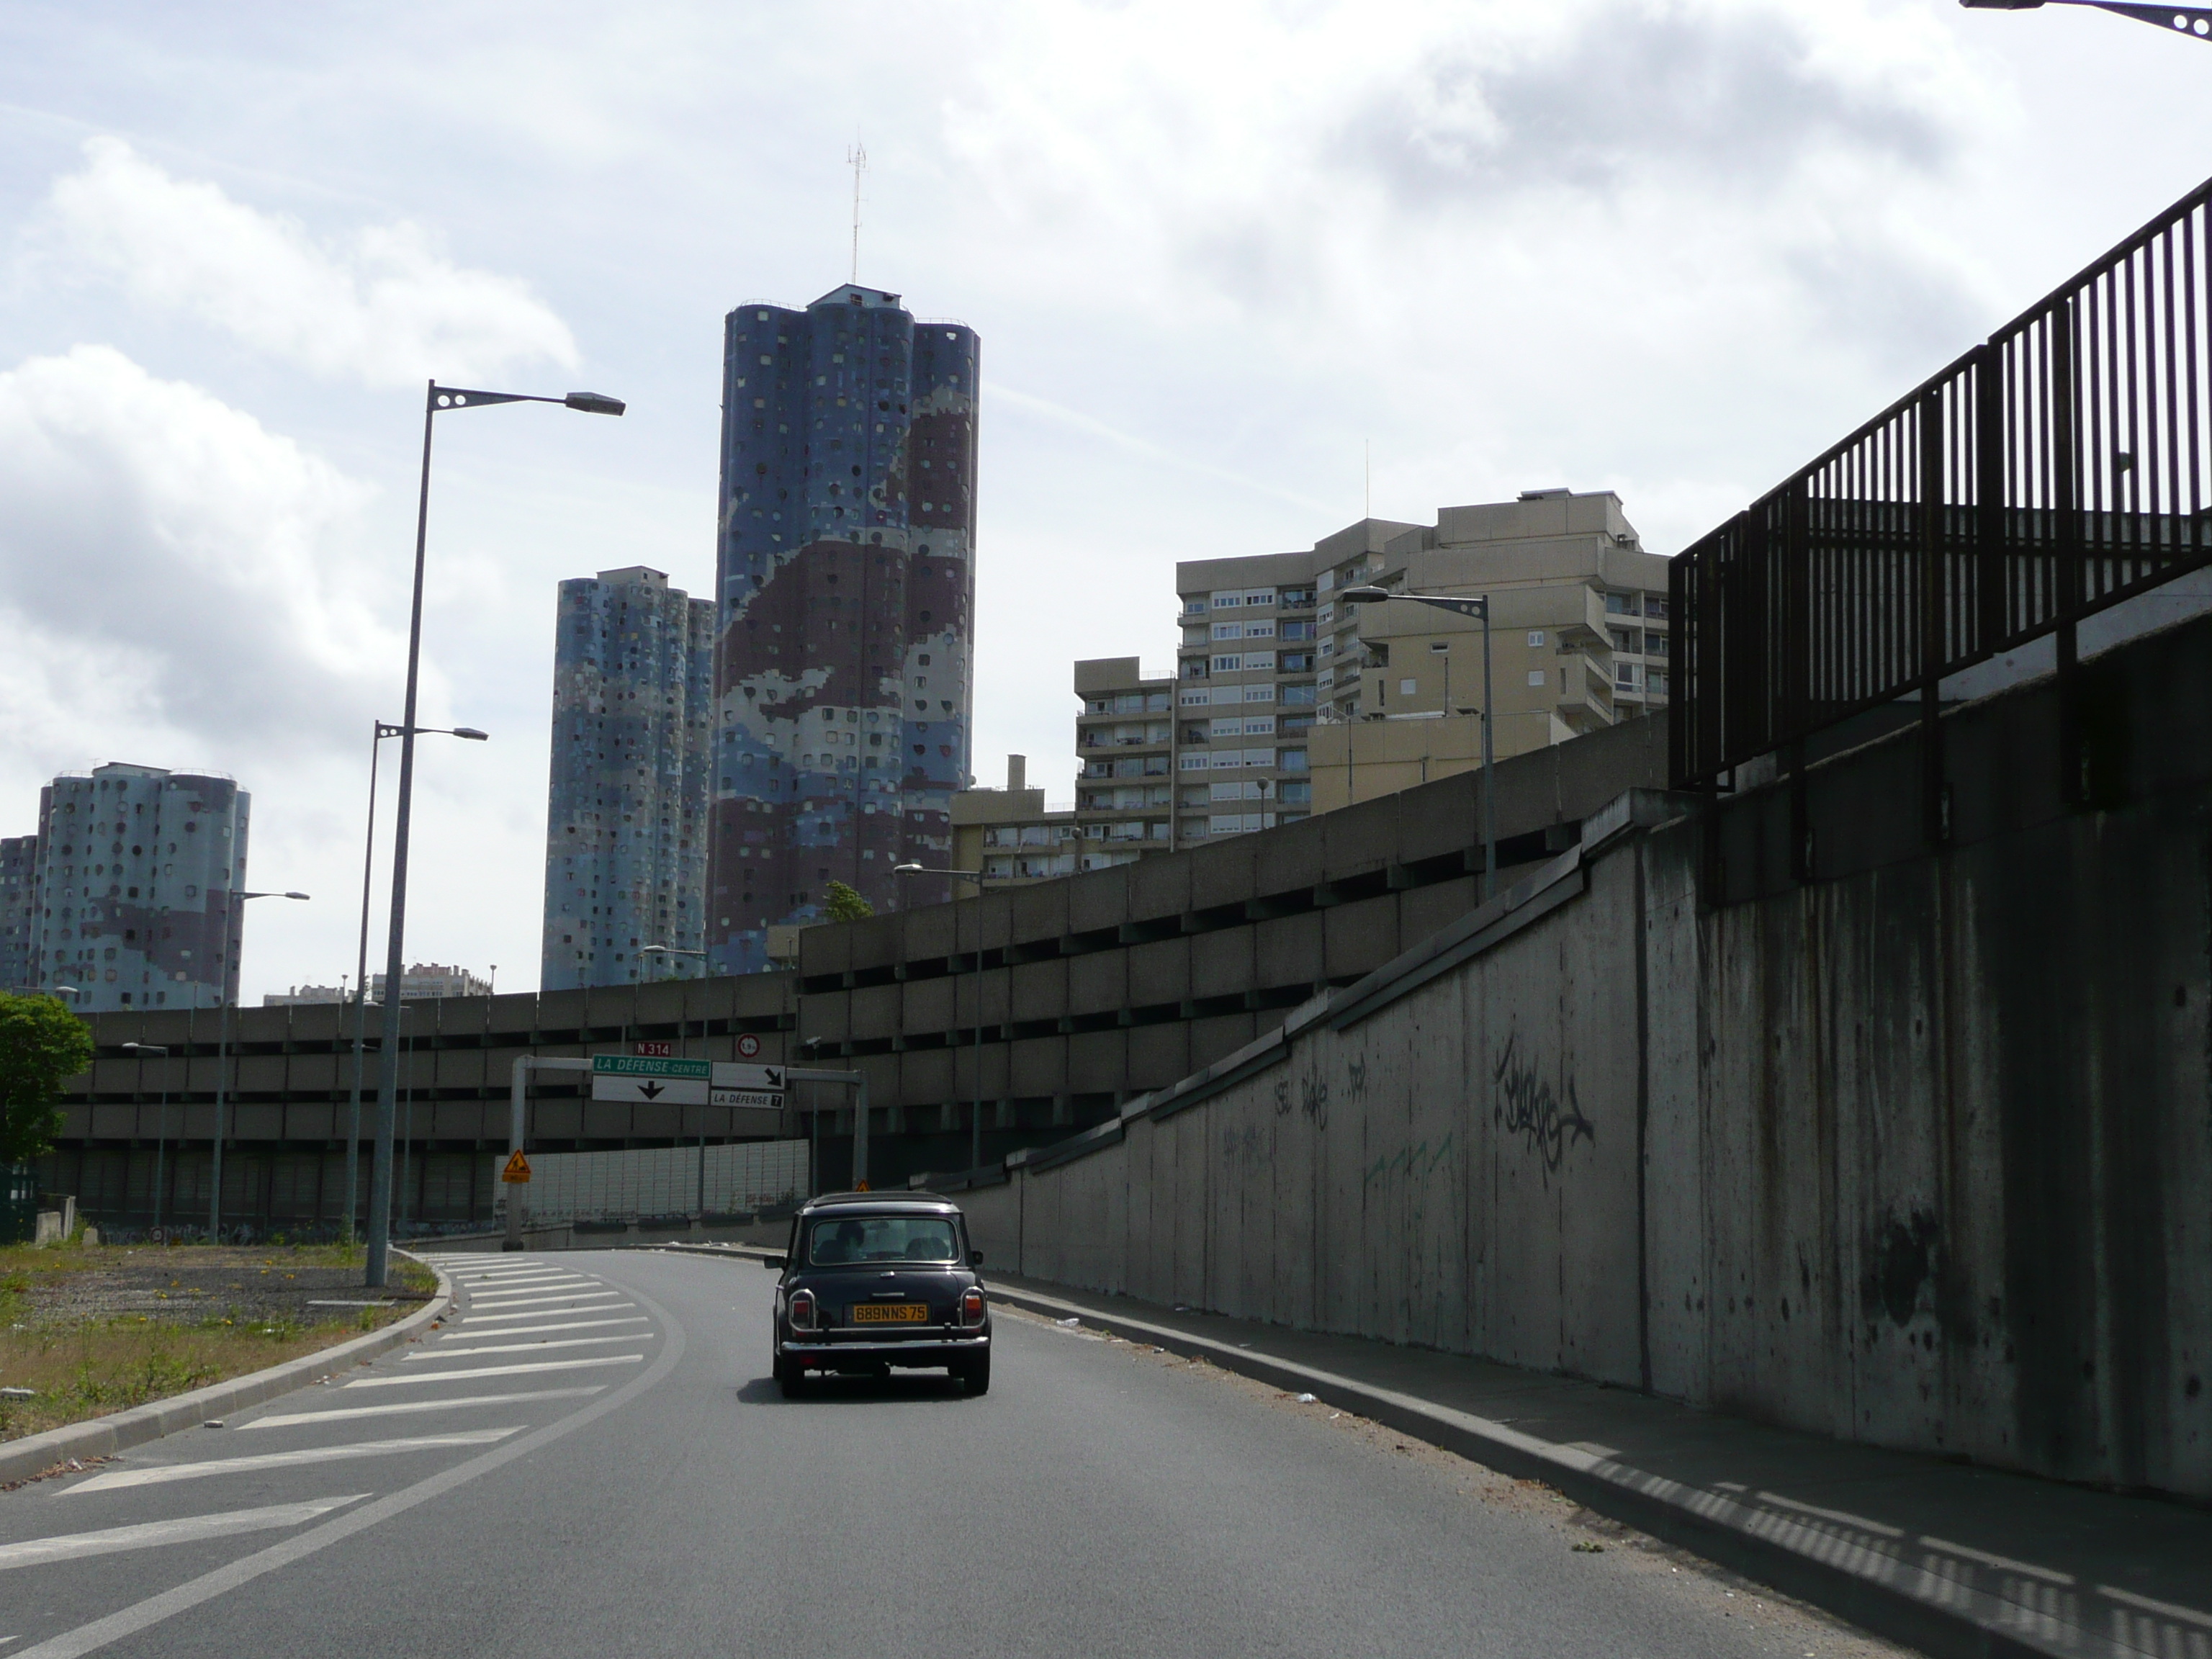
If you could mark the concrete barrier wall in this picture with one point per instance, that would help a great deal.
(1918, 1152)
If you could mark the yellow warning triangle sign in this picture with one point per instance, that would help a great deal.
(518, 1168)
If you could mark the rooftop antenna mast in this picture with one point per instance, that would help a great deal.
(857, 159)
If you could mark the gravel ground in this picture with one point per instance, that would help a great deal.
(185, 1286)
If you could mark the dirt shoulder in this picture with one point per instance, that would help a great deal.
(86, 1330)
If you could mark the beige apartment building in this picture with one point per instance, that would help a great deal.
(1284, 700)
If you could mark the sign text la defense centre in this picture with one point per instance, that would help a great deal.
(635, 1079)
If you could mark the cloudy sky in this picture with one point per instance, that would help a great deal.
(1670, 247)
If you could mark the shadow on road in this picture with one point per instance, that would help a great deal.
(855, 1391)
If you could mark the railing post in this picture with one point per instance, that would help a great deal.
(2065, 501)
(1935, 810)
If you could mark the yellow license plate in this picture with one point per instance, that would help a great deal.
(890, 1313)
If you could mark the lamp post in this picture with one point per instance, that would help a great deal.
(2183, 20)
(437, 401)
(979, 877)
(160, 1123)
(676, 951)
(222, 1041)
(384, 729)
(1473, 606)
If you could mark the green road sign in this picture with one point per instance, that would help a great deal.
(633, 1066)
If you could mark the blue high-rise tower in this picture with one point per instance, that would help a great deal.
(846, 578)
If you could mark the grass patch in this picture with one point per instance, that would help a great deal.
(61, 1339)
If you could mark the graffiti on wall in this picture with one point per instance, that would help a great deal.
(1527, 1106)
(1313, 1100)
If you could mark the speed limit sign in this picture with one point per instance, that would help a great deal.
(748, 1046)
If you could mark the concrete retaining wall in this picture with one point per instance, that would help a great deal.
(1917, 1151)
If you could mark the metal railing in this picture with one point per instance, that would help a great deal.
(2053, 470)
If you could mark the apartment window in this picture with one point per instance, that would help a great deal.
(1297, 694)
(1259, 630)
(1654, 682)
(1263, 596)
(1654, 604)
(1296, 630)
(1228, 664)
(1295, 662)
(1407, 687)
(1229, 630)
(1228, 601)
(1194, 762)
(1298, 794)
(1624, 675)
(1622, 605)
(1655, 645)
(1291, 760)
(1535, 677)
(1193, 607)
(1627, 638)
(1535, 636)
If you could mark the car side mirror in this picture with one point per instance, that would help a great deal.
(775, 1263)
(975, 1258)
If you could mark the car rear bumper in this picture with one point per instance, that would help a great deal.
(920, 1350)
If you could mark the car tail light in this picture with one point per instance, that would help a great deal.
(971, 1307)
(802, 1311)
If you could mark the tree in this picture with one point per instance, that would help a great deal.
(42, 1046)
(844, 905)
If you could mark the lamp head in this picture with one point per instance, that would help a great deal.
(909, 870)
(295, 896)
(594, 403)
(472, 734)
(1365, 594)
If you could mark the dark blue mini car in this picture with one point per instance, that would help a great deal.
(872, 1280)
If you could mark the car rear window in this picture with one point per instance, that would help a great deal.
(883, 1238)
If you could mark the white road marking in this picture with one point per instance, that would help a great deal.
(161, 1474)
(516, 1279)
(536, 1330)
(187, 1529)
(292, 1420)
(524, 1348)
(492, 1371)
(91, 1637)
(513, 1287)
(561, 1299)
(476, 1319)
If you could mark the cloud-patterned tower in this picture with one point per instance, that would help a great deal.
(845, 576)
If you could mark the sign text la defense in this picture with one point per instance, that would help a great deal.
(634, 1079)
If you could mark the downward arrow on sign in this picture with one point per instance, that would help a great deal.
(650, 1090)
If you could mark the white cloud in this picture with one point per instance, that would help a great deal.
(178, 578)
(381, 306)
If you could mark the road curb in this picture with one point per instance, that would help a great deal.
(1733, 1534)
(103, 1436)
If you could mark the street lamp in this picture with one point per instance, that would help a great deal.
(160, 1123)
(979, 877)
(222, 1041)
(384, 729)
(437, 401)
(1472, 605)
(2184, 20)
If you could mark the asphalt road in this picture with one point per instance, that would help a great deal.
(591, 1460)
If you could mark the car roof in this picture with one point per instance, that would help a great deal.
(926, 1203)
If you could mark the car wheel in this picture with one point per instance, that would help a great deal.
(790, 1375)
(975, 1375)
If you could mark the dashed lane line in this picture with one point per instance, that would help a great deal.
(163, 1474)
(295, 1419)
(185, 1529)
